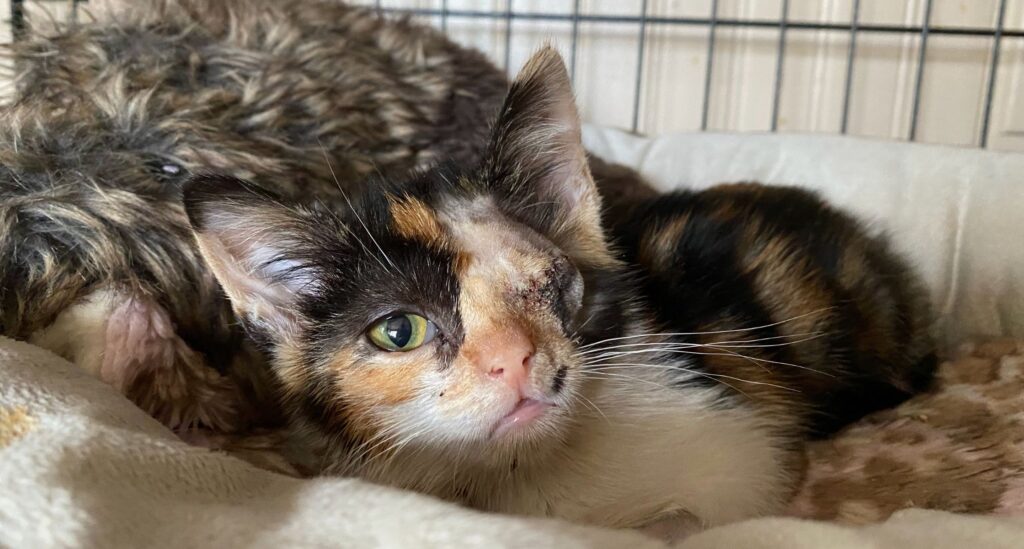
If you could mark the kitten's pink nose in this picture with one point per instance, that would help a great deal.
(506, 355)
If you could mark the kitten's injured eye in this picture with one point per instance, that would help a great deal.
(402, 332)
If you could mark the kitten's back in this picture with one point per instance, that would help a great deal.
(799, 307)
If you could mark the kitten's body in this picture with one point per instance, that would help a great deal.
(750, 318)
(503, 250)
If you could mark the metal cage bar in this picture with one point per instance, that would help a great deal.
(851, 56)
(723, 22)
(922, 56)
(637, 86)
(780, 61)
(705, 109)
(575, 40)
(508, 35)
(992, 70)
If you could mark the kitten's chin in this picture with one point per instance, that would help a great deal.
(522, 417)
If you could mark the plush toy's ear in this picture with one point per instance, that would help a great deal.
(258, 248)
(536, 155)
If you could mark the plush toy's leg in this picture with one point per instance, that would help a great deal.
(129, 341)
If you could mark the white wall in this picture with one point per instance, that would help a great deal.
(885, 67)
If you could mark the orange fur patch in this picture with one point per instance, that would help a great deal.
(416, 221)
(14, 423)
(658, 244)
(391, 381)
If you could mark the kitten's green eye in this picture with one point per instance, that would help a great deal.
(402, 332)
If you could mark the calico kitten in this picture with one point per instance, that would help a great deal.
(473, 333)
(110, 117)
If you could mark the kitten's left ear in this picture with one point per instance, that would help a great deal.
(536, 159)
(262, 251)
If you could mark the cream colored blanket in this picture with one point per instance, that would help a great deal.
(80, 466)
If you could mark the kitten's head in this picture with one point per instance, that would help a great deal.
(444, 311)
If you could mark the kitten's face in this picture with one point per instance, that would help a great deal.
(468, 338)
(443, 312)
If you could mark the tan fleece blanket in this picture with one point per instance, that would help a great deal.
(80, 466)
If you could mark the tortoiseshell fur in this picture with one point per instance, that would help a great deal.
(776, 265)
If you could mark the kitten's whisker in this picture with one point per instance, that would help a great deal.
(769, 361)
(364, 450)
(670, 334)
(727, 348)
(596, 373)
(808, 335)
(615, 354)
(745, 345)
(385, 456)
(628, 365)
(351, 207)
(576, 332)
(725, 352)
(593, 406)
(599, 373)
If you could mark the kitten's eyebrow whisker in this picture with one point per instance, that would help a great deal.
(671, 334)
(349, 233)
(351, 207)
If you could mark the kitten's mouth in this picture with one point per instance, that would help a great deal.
(526, 411)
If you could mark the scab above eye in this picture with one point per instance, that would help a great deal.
(401, 332)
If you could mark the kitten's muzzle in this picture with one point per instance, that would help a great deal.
(506, 356)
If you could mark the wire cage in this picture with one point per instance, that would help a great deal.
(939, 71)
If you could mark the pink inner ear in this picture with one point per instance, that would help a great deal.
(259, 278)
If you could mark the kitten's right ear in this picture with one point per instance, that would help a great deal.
(258, 249)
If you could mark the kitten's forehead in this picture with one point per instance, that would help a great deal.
(480, 230)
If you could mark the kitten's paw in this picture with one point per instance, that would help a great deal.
(129, 342)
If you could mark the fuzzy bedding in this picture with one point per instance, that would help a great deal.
(80, 466)
(958, 448)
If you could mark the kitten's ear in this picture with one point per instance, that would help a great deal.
(537, 157)
(258, 249)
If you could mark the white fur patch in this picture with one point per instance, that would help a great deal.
(79, 333)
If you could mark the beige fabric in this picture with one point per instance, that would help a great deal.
(910, 529)
(80, 466)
